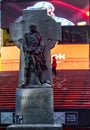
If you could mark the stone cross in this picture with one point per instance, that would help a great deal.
(46, 25)
(34, 107)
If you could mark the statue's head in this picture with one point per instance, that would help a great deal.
(32, 27)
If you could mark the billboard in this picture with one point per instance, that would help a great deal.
(67, 12)
(71, 56)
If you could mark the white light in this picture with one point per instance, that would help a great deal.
(50, 11)
(81, 23)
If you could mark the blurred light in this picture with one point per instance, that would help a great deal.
(82, 23)
(50, 11)
(82, 11)
(88, 13)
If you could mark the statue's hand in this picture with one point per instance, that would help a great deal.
(20, 40)
(36, 53)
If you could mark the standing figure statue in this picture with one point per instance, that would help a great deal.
(33, 48)
(34, 45)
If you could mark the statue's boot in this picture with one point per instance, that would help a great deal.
(24, 84)
(26, 74)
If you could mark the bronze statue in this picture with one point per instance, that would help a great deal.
(40, 70)
(33, 48)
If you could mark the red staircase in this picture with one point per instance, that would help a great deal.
(74, 90)
(71, 89)
(8, 85)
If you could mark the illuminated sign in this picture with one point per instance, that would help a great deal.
(71, 56)
(71, 118)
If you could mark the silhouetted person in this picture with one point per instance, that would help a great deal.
(54, 65)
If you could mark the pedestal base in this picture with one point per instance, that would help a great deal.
(35, 127)
(34, 106)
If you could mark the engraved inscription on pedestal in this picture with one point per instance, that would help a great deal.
(34, 106)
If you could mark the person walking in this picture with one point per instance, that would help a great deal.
(54, 65)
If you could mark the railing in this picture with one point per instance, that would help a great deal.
(68, 63)
(10, 65)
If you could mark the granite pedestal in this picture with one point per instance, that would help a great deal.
(34, 106)
(34, 110)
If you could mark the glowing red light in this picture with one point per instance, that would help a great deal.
(83, 12)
